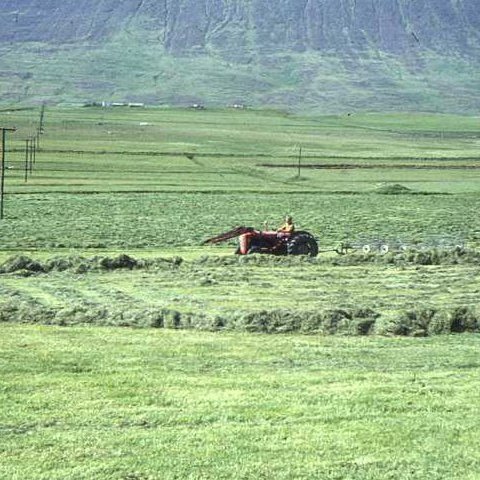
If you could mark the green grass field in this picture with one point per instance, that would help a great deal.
(107, 233)
(161, 150)
(86, 403)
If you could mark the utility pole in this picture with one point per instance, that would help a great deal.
(2, 169)
(38, 138)
(42, 115)
(31, 156)
(299, 161)
(27, 150)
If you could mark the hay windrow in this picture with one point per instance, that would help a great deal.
(79, 264)
(434, 256)
(24, 265)
(354, 322)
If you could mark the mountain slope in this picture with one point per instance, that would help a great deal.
(324, 55)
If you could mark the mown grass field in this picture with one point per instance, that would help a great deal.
(86, 403)
(107, 232)
(161, 150)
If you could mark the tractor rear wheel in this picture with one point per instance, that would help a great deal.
(302, 243)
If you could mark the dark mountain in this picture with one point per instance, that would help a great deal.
(324, 55)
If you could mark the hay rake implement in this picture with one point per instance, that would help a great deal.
(383, 246)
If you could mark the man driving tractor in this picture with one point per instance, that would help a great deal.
(288, 226)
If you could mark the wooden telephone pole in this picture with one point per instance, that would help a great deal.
(2, 167)
(299, 162)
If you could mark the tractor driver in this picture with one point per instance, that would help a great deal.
(287, 228)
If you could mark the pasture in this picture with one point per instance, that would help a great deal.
(83, 403)
(107, 233)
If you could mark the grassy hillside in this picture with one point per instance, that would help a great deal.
(320, 56)
(129, 69)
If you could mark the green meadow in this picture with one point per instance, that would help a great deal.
(131, 351)
(161, 150)
(84, 403)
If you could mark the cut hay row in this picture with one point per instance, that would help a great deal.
(24, 265)
(361, 321)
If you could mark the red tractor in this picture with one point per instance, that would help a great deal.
(273, 243)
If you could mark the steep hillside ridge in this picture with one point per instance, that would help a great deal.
(342, 25)
(277, 49)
